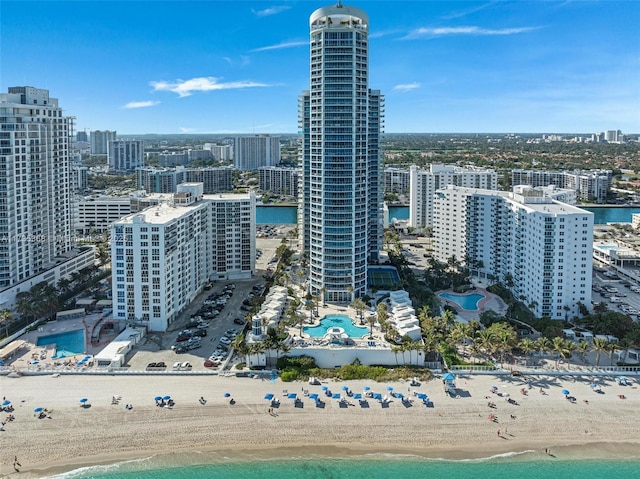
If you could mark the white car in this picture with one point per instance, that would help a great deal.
(225, 340)
(176, 365)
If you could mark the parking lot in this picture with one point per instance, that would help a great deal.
(157, 347)
(620, 297)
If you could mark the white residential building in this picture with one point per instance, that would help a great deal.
(100, 141)
(36, 233)
(424, 185)
(95, 214)
(542, 246)
(166, 180)
(220, 152)
(164, 255)
(279, 180)
(590, 185)
(252, 152)
(397, 180)
(125, 155)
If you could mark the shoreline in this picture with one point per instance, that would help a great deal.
(454, 429)
(597, 451)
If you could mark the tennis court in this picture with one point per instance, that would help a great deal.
(383, 277)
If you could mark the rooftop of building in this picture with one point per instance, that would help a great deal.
(541, 204)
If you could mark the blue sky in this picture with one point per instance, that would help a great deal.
(238, 67)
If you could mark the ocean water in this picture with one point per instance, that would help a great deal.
(521, 466)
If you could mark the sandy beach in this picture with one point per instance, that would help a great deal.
(595, 425)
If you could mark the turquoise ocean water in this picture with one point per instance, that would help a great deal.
(521, 466)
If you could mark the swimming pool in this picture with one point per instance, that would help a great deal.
(67, 343)
(332, 321)
(467, 301)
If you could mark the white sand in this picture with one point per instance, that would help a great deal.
(454, 427)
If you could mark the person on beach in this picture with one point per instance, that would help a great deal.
(498, 432)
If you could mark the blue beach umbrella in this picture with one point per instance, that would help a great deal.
(292, 396)
(38, 409)
(227, 395)
(83, 400)
(400, 395)
(565, 392)
(6, 403)
(357, 396)
(422, 396)
(313, 396)
(345, 388)
(336, 396)
(268, 396)
(377, 396)
(389, 388)
(324, 388)
(157, 398)
(366, 388)
(166, 398)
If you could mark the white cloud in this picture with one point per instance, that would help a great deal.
(281, 45)
(187, 87)
(271, 11)
(406, 87)
(140, 104)
(442, 31)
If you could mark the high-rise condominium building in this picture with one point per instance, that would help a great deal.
(279, 180)
(163, 256)
(539, 248)
(340, 213)
(252, 152)
(125, 155)
(424, 185)
(590, 185)
(100, 141)
(36, 235)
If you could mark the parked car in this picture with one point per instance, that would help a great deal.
(161, 365)
(185, 365)
(239, 321)
(151, 366)
(181, 349)
(225, 340)
(200, 333)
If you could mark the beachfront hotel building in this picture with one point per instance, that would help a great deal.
(163, 255)
(590, 185)
(538, 247)
(252, 152)
(425, 183)
(340, 211)
(36, 231)
(396, 180)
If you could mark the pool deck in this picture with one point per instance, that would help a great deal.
(31, 352)
(490, 302)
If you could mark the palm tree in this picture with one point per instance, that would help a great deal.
(527, 346)
(371, 319)
(600, 345)
(559, 346)
(359, 306)
(6, 318)
(485, 341)
(582, 349)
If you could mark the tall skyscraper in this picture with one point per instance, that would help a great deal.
(340, 213)
(35, 185)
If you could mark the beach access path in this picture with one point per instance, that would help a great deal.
(596, 424)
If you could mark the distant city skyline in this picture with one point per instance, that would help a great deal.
(237, 67)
